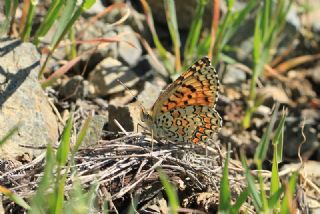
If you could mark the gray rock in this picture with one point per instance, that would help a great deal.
(293, 138)
(273, 94)
(245, 47)
(104, 77)
(233, 75)
(22, 101)
(95, 31)
(129, 49)
(128, 116)
(123, 98)
(74, 88)
(94, 131)
(149, 94)
(147, 66)
(315, 74)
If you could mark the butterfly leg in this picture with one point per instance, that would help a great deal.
(151, 140)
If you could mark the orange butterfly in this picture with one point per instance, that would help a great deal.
(185, 110)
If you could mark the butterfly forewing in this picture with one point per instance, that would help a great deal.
(198, 86)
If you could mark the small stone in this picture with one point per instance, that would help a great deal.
(294, 137)
(123, 97)
(107, 72)
(98, 29)
(94, 131)
(128, 116)
(74, 88)
(233, 75)
(273, 94)
(149, 94)
(315, 74)
(129, 49)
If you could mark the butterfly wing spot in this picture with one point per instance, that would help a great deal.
(200, 135)
(188, 124)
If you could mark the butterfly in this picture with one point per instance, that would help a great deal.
(185, 110)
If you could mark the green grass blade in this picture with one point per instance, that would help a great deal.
(230, 4)
(64, 146)
(59, 200)
(162, 51)
(278, 137)
(40, 201)
(265, 18)
(70, 14)
(170, 10)
(7, 8)
(225, 197)
(4, 24)
(80, 138)
(257, 41)
(81, 202)
(49, 19)
(10, 133)
(274, 199)
(28, 26)
(239, 202)
(251, 185)
(263, 193)
(105, 209)
(92, 197)
(195, 29)
(82, 133)
(275, 180)
(88, 4)
(277, 158)
(170, 191)
(239, 17)
(64, 20)
(10, 7)
(270, 20)
(14, 197)
(228, 27)
(287, 202)
(263, 146)
(73, 47)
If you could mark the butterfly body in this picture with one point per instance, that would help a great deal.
(185, 110)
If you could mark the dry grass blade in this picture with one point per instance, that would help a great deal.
(289, 64)
(108, 10)
(151, 52)
(214, 25)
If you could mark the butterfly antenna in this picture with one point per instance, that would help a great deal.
(135, 97)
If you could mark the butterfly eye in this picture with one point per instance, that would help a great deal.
(144, 116)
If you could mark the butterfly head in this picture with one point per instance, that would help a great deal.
(145, 116)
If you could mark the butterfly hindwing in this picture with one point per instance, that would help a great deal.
(189, 124)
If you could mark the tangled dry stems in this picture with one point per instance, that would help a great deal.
(127, 165)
